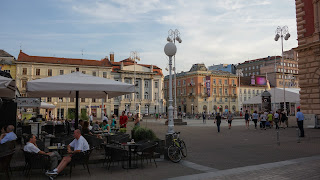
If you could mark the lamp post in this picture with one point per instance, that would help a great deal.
(240, 74)
(134, 55)
(283, 32)
(174, 35)
(55, 103)
(170, 50)
(60, 109)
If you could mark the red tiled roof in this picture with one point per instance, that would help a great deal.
(23, 57)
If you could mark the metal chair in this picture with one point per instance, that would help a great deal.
(81, 158)
(5, 160)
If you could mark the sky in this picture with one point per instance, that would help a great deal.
(212, 31)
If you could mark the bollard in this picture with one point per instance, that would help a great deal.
(298, 134)
(278, 139)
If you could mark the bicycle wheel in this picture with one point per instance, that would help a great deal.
(183, 148)
(174, 154)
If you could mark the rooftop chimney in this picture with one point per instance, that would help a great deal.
(111, 56)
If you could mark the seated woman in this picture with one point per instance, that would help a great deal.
(106, 126)
(85, 128)
(137, 120)
(96, 126)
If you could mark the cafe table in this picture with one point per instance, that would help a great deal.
(56, 148)
(131, 146)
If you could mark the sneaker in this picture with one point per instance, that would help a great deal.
(50, 173)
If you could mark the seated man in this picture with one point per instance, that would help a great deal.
(79, 144)
(32, 147)
(9, 135)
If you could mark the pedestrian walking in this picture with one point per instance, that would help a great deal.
(263, 120)
(230, 118)
(204, 117)
(270, 119)
(255, 117)
(300, 119)
(283, 118)
(276, 119)
(247, 118)
(218, 121)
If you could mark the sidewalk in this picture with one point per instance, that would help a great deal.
(238, 153)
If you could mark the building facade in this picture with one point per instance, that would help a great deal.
(308, 29)
(36, 67)
(192, 94)
(7, 63)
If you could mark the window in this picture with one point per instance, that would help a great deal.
(225, 99)
(192, 99)
(37, 72)
(179, 92)
(184, 82)
(179, 83)
(191, 80)
(49, 99)
(232, 81)
(214, 91)
(146, 84)
(253, 73)
(49, 72)
(234, 91)
(72, 71)
(93, 100)
(220, 100)
(246, 74)
(204, 79)
(61, 72)
(138, 95)
(165, 85)
(226, 91)
(257, 73)
(155, 84)
(245, 91)
(24, 71)
(83, 72)
(83, 99)
(60, 99)
(225, 81)
(245, 68)
(215, 100)
(249, 68)
(240, 91)
(104, 74)
(220, 90)
(253, 91)
(252, 67)
(146, 95)
(184, 91)
(249, 91)
(7, 71)
(220, 82)
(245, 98)
(94, 73)
(257, 67)
(214, 81)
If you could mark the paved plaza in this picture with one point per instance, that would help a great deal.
(238, 153)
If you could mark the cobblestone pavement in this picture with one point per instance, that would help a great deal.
(238, 153)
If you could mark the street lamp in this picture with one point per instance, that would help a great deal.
(170, 50)
(134, 55)
(239, 74)
(60, 100)
(55, 103)
(283, 32)
(172, 37)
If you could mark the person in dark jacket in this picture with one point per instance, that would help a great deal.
(218, 121)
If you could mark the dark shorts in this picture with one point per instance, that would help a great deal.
(229, 121)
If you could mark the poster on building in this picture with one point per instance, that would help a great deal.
(208, 85)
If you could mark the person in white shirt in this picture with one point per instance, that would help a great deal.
(263, 120)
(79, 144)
(105, 118)
(32, 147)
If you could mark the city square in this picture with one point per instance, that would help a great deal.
(160, 89)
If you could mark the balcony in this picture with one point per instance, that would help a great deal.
(202, 84)
(191, 94)
(191, 84)
(204, 95)
(234, 85)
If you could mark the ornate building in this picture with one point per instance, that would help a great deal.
(148, 83)
(7, 63)
(192, 94)
(308, 29)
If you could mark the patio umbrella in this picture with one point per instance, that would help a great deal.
(7, 87)
(77, 85)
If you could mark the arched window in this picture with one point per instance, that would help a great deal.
(146, 95)
(146, 84)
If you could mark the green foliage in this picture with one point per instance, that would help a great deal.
(71, 113)
(84, 115)
(141, 133)
(123, 130)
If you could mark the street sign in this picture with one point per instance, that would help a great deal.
(28, 102)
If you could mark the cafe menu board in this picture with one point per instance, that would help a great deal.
(28, 102)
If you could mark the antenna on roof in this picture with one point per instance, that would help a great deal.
(82, 53)
(20, 46)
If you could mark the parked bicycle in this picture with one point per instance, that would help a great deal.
(177, 149)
